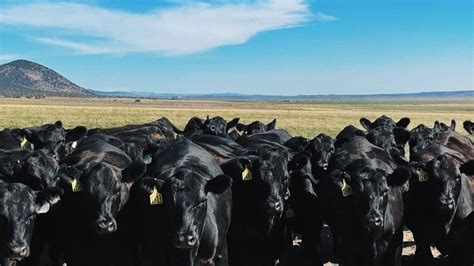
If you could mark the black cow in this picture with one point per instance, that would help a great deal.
(164, 125)
(36, 169)
(97, 180)
(297, 144)
(260, 188)
(256, 127)
(192, 208)
(468, 126)
(13, 139)
(275, 138)
(362, 202)
(19, 207)
(321, 148)
(222, 149)
(440, 207)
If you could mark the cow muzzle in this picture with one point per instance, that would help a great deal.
(447, 203)
(19, 252)
(106, 225)
(185, 240)
(374, 222)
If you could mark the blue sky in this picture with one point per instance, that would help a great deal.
(254, 47)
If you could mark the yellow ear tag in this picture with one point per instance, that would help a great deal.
(423, 176)
(289, 213)
(155, 197)
(246, 174)
(76, 185)
(346, 189)
(23, 143)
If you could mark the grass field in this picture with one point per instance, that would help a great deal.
(299, 118)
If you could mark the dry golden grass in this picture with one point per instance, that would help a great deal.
(299, 118)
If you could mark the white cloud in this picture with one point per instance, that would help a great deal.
(8, 57)
(184, 29)
(324, 18)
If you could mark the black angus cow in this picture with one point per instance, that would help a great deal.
(186, 204)
(19, 208)
(256, 127)
(297, 144)
(362, 202)
(96, 178)
(36, 169)
(440, 206)
(422, 136)
(275, 138)
(468, 126)
(259, 191)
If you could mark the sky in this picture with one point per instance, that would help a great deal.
(273, 47)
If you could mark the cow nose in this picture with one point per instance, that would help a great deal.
(325, 166)
(19, 252)
(185, 240)
(447, 202)
(106, 226)
(375, 221)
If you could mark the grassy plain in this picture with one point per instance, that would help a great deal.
(299, 118)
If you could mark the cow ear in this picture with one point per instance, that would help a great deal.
(401, 135)
(453, 124)
(233, 123)
(403, 122)
(398, 177)
(218, 184)
(468, 126)
(467, 168)
(134, 171)
(365, 123)
(58, 123)
(437, 127)
(76, 134)
(271, 125)
(46, 198)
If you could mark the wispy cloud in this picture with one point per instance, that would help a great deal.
(8, 57)
(324, 18)
(184, 29)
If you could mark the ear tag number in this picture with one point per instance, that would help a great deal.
(155, 197)
(346, 189)
(76, 185)
(246, 174)
(423, 176)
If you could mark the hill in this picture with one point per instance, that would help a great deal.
(26, 78)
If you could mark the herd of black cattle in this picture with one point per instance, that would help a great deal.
(225, 193)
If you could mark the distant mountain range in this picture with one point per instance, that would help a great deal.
(25, 78)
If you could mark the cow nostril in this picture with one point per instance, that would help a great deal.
(378, 221)
(277, 206)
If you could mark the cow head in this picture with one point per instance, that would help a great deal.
(384, 121)
(389, 138)
(39, 170)
(45, 135)
(19, 207)
(103, 190)
(256, 127)
(370, 190)
(321, 149)
(420, 138)
(217, 126)
(302, 178)
(468, 126)
(261, 184)
(442, 127)
(297, 144)
(186, 198)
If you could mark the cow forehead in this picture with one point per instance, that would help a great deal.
(16, 197)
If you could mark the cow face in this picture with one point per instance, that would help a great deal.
(389, 138)
(420, 138)
(186, 198)
(45, 135)
(103, 191)
(256, 127)
(321, 149)
(217, 126)
(370, 190)
(302, 178)
(468, 126)
(19, 207)
(40, 170)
